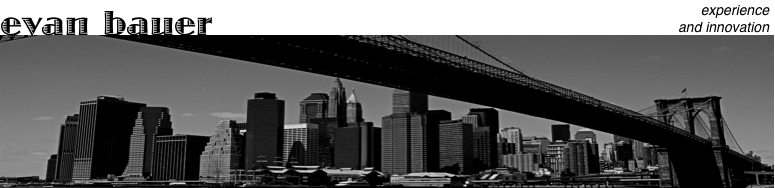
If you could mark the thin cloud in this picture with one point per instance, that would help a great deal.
(229, 115)
(42, 118)
(722, 49)
(769, 54)
(656, 58)
(187, 115)
(27, 152)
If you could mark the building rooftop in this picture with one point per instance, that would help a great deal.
(430, 174)
(317, 97)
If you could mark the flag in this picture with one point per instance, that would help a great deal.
(683, 91)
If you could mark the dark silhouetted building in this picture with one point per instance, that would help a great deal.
(314, 106)
(150, 123)
(358, 146)
(264, 136)
(102, 137)
(409, 102)
(561, 132)
(51, 168)
(456, 146)
(485, 138)
(177, 157)
(222, 154)
(622, 154)
(580, 159)
(326, 128)
(425, 128)
(67, 135)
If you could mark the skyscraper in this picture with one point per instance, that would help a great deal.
(103, 134)
(409, 102)
(222, 153)
(51, 167)
(456, 146)
(560, 132)
(405, 134)
(264, 136)
(486, 138)
(314, 106)
(395, 143)
(424, 139)
(150, 122)
(580, 159)
(177, 157)
(300, 146)
(337, 106)
(67, 135)
(357, 146)
(354, 109)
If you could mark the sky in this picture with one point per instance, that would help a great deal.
(43, 79)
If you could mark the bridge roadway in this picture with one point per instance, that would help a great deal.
(397, 63)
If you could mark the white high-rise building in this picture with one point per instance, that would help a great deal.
(512, 136)
(301, 144)
(222, 154)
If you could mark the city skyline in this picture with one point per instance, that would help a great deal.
(188, 113)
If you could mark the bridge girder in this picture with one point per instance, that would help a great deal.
(400, 64)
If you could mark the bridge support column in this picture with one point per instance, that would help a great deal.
(667, 176)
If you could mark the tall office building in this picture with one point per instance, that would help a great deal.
(264, 136)
(622, 154)
(485, 138)
(51, 168)
(585, 133)
(222, 154)
(456, 146)
(337, 106)
(395, 143)
(358, 146)
(561, 132)
(103, 134)
(354, 109)
(409, 102)
(580, 159)
(326, 139)
(511, 140)
(300, 146)
(406, 132)
(150, 122)
(424, 139)
(314, 106)
(67, 134)
(177, 157)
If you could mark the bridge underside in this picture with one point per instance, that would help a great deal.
(392, 67)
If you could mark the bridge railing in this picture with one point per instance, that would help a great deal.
(420, 50)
